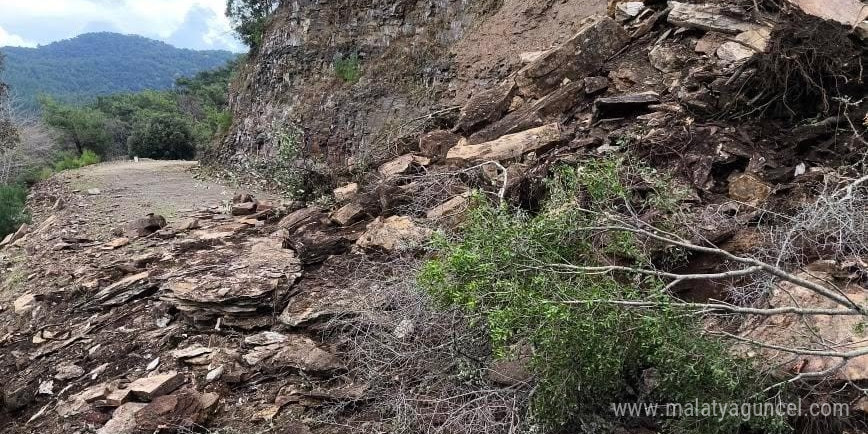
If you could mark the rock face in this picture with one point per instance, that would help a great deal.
(295, 65)
(580, 56)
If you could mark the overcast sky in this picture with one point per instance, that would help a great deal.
(198, 24)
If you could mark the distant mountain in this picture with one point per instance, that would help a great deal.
(92, 64)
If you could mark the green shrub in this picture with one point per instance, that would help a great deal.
(12, 213)
(588, 356)
(348, 68)
(70, 161)
(165, 137)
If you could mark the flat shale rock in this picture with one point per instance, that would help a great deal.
(577, 58)
(297, 351)
(486, 107)
(148, 388)
(236, 284)
(123, 419)
(403, 165)
(508, 147)
(709, 16)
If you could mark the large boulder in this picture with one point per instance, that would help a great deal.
(709, 16)
(509, 146)
(402, 165)
(546, 109)
(392, 234)
(486, 107)
(436, 144)
(599, 38)
(146, 225)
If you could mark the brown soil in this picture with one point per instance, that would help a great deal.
(492, 48)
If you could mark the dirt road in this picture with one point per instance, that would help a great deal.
(129, 190)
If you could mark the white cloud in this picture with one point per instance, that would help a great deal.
(44, 21)
(8, 39)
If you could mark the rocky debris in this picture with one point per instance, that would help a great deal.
(748, 188)
(68, 371)
(93, 192)
(123, 290)
(577, 58)
(450, 211)
(623, 105)
(123, 419)
(315, 242)
(116, 243)
(348, 214)
(191, 352)
(508, 147)
(848, 12)
(547, 109)
(346, 193)
(181, 410)
(297, 352)
(15, 236)
(24, 303)
(393, 233)
(188, 225)
(403, 165)
(436, 144)
(625, 11)
(709, 16)
(266, 338)
(302, 217)
(838, 332)
(486, 107)
(148, 388)
(261, 273)
(244, 208)
(147, 225)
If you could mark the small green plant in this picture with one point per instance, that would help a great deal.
(586, 356)
(70, 161)
(12, 213)
(348, 68)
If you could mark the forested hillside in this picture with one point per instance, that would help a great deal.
(93, 64)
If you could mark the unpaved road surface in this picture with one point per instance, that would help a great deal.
(130, 190)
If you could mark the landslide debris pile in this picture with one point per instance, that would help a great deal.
(230, 317)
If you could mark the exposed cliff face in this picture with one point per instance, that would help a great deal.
(291, 79)
(416, 58)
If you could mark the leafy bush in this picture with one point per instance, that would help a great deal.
(249, 18)
(348, 68)
(586, 356)
(71, 161)
(165, 136)
(12, 213)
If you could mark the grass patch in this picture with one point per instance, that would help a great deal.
(12, 212)
(587, 357)
(348, 68)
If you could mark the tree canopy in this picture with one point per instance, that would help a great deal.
(79, 69)
(249, 18)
